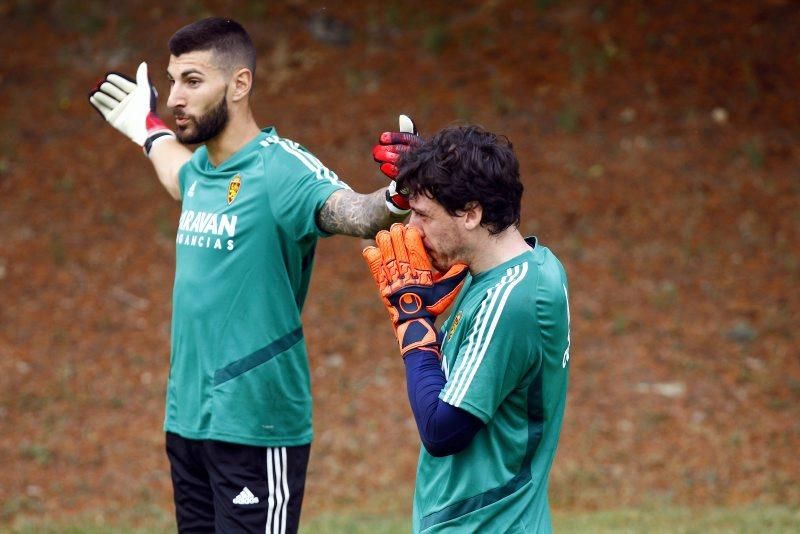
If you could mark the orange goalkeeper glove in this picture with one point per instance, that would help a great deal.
(412, 291)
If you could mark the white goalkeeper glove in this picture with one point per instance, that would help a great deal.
(130, 107)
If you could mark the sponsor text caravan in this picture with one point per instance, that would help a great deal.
(206, 230)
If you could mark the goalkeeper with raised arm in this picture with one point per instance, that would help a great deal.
(253, 205)
(488, 391)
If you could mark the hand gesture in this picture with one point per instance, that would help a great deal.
(390, 148)
(412, 291)
(130, 107)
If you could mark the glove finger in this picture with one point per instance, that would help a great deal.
(395, 150)
(390, 170)
(113, 91)
(398, 148)
(141, 75)
(98, 107)
(384, 242)
(123, 82)
(402, 138)
(385, 153)
(375, 263)
(404, 271)
(418, 257)
(102, 112)
(103, 103)
(143, 80)
(398, 234)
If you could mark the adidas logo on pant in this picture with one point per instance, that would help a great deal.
(245, 497)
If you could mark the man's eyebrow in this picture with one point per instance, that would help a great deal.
(419, 211)
(187, 73)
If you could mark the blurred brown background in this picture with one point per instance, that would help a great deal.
(659, 147)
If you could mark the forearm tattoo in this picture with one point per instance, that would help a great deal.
(355, 214)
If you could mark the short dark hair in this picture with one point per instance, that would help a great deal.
(465, 164)
(225, 37)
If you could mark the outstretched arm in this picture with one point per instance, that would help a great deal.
(130, 107)
(356, 214)
(167, 158)
(350, 213)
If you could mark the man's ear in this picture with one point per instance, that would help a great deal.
(473, 213)
(241, 84)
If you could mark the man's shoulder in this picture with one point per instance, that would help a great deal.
(510, 292)
(282, 145)
(289, 155)
(524, 286)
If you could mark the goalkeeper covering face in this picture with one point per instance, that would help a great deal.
(488, 389)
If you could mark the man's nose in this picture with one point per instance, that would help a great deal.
(413, 221)
(175, 98)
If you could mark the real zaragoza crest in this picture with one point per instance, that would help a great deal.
(454, 325)
(233, 187)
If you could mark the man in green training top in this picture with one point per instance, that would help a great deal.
(238, 407)
(488, 391)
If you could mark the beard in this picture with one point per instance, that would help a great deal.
(443, 260)
(442, 265)
(206, 126)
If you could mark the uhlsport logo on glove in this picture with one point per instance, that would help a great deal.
(410, 303)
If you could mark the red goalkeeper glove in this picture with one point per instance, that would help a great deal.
(390, 148)
(130, 107)
(412, 291)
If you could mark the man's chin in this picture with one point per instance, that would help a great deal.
(441, 267)
(185, 136)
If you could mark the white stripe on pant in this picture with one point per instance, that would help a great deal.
(277, 485)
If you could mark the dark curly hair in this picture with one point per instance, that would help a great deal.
(465, 164)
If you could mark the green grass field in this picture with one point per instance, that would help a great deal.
(772, 519)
